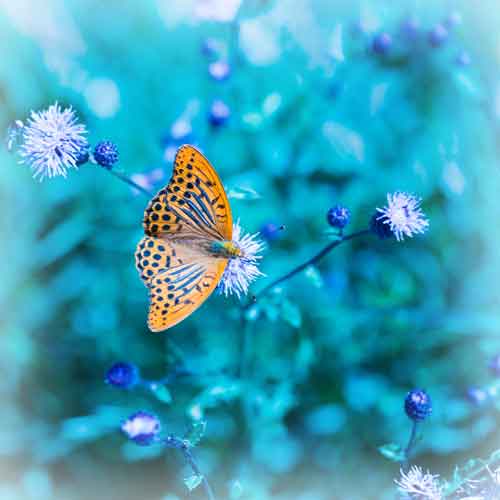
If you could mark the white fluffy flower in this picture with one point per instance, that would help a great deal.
(403, 215)
(241, 271)
(52, 141)
(419, 485)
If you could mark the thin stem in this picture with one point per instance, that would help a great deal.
(409, 447)
(313, 260)
(175, 442)
(129, 181)
(194, 466)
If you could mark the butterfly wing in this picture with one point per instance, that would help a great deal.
(179, 278)
(193, 205)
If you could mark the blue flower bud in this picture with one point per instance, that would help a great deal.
(219, 113)
(338, 216)
(271, 231)
(219, 70)
(418, 405)
(438, 35)
(106, 154)
(142, 427)
(124, 375)
(382, 43)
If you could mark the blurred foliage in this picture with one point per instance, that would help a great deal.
(298, 401)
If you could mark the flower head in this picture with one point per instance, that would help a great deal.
(242, 270)
(338, 216)
(124, 375)
(402, 215)
(52, 141)
(106, 154)
(419, 485)
(142, 427)
(418, 405)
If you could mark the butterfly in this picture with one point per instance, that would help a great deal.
(188, 240)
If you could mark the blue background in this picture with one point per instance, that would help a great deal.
(316, 119)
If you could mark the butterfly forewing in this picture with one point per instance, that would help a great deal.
(194, 204)
(180, 222)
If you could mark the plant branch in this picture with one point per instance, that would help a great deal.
(175, 442)
(313, 260)
(409, 447)
(130, 182)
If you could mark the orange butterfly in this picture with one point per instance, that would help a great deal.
(189, 241)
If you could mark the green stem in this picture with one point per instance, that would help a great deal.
(130, 182)
(313, 260)
(175, 442)
(409, 447)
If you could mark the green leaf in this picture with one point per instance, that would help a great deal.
(291, 314)
(161, 393)
(314, 276)
(196, 432)
(193, 481)
(392, 451)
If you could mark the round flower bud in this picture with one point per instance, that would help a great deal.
(219, 113)
(338, 216)
(106, 154)
(219, 70)
(382, 43)
(124, 375)
(438, 35)
(271, 231)
(418, 405)
(142, 427)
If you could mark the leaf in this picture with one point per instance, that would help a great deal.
(193, 481)
(291, 314)
(196, 433)
(161, 393)
(314, 276)
(392, 451)
(243, 193)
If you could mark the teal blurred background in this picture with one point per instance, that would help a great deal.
(316, 119)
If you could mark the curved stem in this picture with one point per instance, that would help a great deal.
(175, 442)
(313, 260)
(409, 447)
(130, 182)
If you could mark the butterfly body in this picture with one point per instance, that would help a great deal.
(225, 249)
(188, 240)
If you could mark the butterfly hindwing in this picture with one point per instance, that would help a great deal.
(178, 291)
(194, 204)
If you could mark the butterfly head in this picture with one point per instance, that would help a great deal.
(227, 249)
